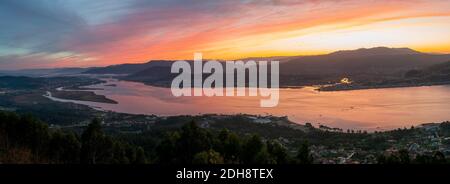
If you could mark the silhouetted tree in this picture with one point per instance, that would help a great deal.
(229, 145)
(140, 156)
(167, 148)
(251, 149)
(96, 146)
(64, 148)
(278, 152)
(404, 156)
(304, 155)
(192, 141)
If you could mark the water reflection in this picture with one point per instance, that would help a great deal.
(360, 109)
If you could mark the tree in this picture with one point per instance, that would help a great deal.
(229, 145)
(208, 157)
(64, 148)
(167, 148)
(401, 157)
(192, 141)
(263, 157)
(404, 156)
(439, 158)
(32, 133)
(381, 159)
(278, 152)
(140, 156)
(96, 146)
(250, 150)
(304, 156)
(436, 158)
(120, 153)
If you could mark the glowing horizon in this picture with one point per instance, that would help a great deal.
(82, 33)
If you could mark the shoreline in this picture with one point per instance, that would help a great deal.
(92, 104)
(321, 87)
(351, 88)
(255, 118)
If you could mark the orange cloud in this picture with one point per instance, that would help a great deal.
(234, 36)
(239, 30)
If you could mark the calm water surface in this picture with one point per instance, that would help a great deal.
(359, 109)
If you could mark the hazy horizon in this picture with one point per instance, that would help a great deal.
(206, 59)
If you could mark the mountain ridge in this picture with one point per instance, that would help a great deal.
(377, 51)
(377, 60)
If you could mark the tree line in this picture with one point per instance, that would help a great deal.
(24, 139)
(195, 145)
(403, 157)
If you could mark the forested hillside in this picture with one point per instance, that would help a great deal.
(24, 139)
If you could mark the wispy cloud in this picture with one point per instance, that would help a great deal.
(56, 33)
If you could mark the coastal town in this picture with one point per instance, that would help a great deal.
(327, 145)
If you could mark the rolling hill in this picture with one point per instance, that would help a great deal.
(379, 60)
(125, 69)
(436, 73)
(373, 64)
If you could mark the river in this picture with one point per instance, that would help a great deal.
(371, 109)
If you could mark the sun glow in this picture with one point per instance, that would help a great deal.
(415, 33)
(251, 29)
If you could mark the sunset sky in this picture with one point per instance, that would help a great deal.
(81, 33)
